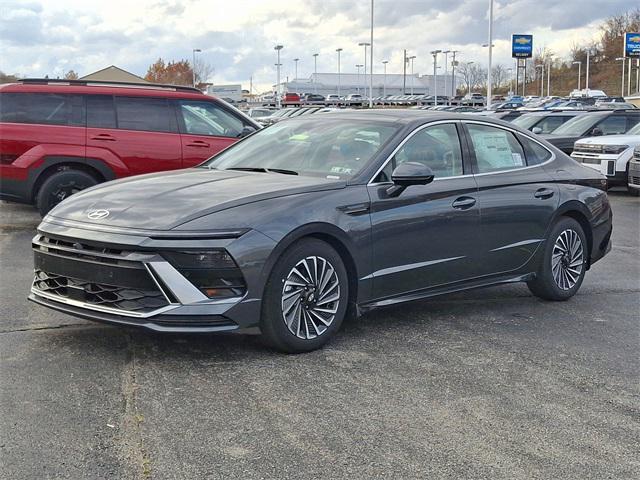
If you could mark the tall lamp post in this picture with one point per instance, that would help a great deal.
(446, 67)
(411, 58)
(384, 79)
(490, 45)
(338, 50)
(541, 67)
(622, 82)
(435, 75)
(586, 80)
(453, 73)
(365, 45)
(315, 72)
(371, 62)
(579, 63)
(358, 66)
(277, 48)
(295, 61)
(510, 71)
(193, 67)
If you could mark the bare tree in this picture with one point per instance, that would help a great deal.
(203, 71)
(500, 75)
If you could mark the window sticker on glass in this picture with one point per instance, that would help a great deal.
(517, 160)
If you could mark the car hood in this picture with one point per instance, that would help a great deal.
(163, 201)
(631, 140)
(560, 139)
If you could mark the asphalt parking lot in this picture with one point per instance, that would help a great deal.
(489, 384)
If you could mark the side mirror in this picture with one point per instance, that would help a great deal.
(246, 131)
(596, 132)
(537, 130)
(407, 174)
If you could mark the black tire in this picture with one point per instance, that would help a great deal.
(273, 325)
(569, 270)
(61, 185)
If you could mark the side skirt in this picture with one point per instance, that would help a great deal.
(443, 290)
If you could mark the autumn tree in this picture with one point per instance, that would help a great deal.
(6, 78)
(71, 75)
(174, 73)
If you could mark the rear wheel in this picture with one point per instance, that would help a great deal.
(61, 185)
(564, 262)
(305, 298)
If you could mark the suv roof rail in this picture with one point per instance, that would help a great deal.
(106, 83)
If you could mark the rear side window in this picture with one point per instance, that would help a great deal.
(42, 108)
(534, 152)
(613, 125)
(143, 113)
(495, 149)
(101, 112)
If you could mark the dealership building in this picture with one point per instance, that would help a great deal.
(391, 83)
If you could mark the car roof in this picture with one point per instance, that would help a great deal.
(44, 85)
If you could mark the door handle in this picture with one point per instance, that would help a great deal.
(544, 193)
(197, 143)
(103, 136)
(463, 203)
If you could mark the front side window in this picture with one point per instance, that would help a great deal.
(613, 125)
(101, 112)
(145, 113)
(578, 125)
(330, 148)
(208, 118)
(437, 147)
(495, 149)
(549, 124)
(42, 108)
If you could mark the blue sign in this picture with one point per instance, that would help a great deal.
(522, 46)
(632, 44)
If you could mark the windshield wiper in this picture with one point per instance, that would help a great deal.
(264, 170)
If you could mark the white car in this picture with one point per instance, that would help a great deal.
(609, 154)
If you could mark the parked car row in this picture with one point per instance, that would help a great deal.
(291, 112)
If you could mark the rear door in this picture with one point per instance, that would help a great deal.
(140, 132)
(206, 128)
(516, 196)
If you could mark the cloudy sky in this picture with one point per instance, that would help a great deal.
(39, 37)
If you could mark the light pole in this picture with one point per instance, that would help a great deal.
(296, 60)
(411, 58)
(277, 48)
(586, 84)
(315, 72)
(453, 74)
(371, 62)
(510, 71)
(579, 63)
(193, 67)
(446, 67)
(541, 67)
(365, 45)
(384, 81)
(358, 66)
(435, 76)
(338, 50)
(629, 76)
(469, 77)
(549, 78)
(490, 44)
(622, 80)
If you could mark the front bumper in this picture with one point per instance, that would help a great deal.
(603, 163)
(634, 173)
(122, 279)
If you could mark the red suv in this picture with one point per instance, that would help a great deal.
(291, 98)
(59, 137)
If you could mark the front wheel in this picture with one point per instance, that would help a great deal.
(305, 298)
(564, 263)
(61, 185)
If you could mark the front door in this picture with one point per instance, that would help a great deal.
(423, 237)
(207, 128)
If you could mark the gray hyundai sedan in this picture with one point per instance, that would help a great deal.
(314, 219)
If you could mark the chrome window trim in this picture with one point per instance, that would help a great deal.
(371, 183)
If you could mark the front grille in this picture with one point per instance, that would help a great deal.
(634, 180)
(99, 277)
(591, 161)
(99, 294)
(588, 148)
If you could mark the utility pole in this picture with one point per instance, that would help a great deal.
(315, 73)
(489, 73)
(371, 61)
(338, 50)
(296, 63)
(277, 48)
(384, 81)
(404, 73)
(453, 73)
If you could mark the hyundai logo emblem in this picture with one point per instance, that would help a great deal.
(98, 214)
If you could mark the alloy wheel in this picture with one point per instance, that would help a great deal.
(310, 297)
(567, 259)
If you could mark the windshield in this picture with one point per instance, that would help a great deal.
(331, 148)
(577, 126)
(526, 121)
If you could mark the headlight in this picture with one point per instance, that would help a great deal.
(614, 149)
(214, 272)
